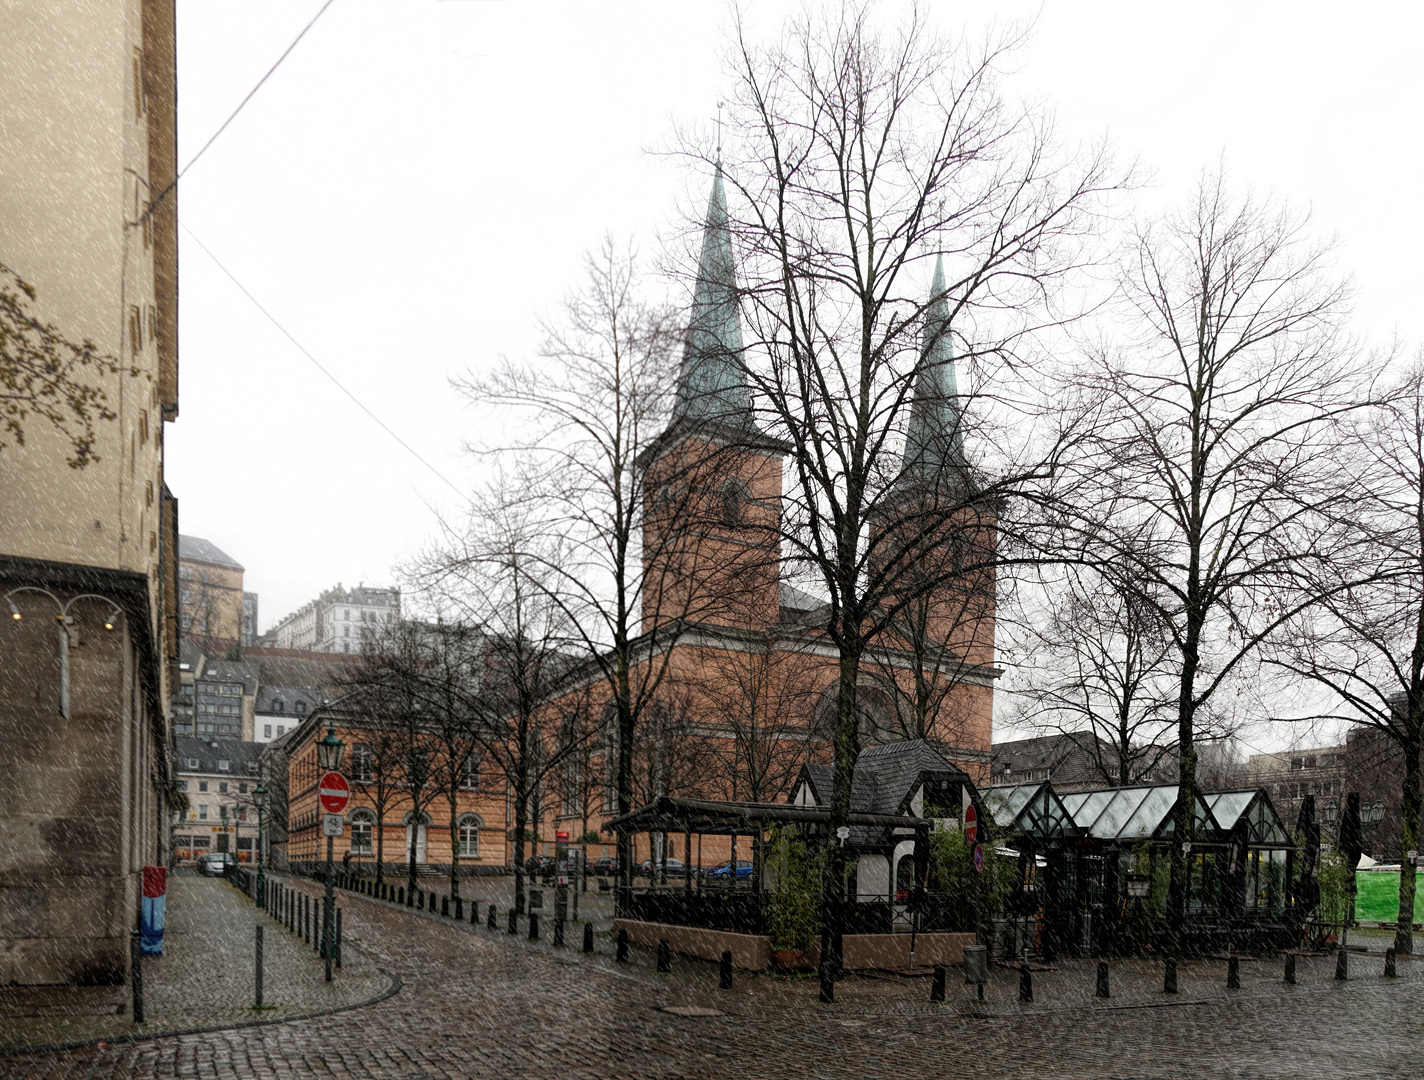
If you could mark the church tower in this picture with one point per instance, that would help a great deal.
(713, 488)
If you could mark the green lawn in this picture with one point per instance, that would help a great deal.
(1378, 898)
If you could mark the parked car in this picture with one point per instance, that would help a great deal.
(604, 866)
(539, 866)
(723, 871)
(215, 863)
(652, 868)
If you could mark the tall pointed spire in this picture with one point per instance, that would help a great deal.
(710, 385)
(934, 439)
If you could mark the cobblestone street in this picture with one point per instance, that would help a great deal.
(477, 1003)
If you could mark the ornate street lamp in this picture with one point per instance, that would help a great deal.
(329, 750)
(65, 620)
(259, 800)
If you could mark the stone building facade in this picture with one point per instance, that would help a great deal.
(345, 621)
(210, 596)
(88, 556)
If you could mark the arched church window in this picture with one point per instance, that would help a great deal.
(735, 495)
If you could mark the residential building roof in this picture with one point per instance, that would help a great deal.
(210, 752)
(199, 550)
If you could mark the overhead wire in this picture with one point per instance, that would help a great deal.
(319, 365)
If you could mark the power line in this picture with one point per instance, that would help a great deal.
(174, 182)
(319, 366)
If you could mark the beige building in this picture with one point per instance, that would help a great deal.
(339, 621)
(88, 570)
(210, 596)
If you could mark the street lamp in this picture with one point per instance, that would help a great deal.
(65, 620)
(259, 800)
(1332, 812)
(329, 750)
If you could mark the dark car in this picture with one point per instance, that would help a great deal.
(539, 866)
(651, 868)
(723, 872)
(605, 866)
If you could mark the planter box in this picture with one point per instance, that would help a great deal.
(753, 952)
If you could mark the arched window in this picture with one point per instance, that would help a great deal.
(734, 494)
(469, 830)
(363, 827)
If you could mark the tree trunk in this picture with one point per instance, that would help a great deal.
(1409, 838)
(1182, 813)
(380, 845)
(414, 847)
(847, 739)
(454, 852)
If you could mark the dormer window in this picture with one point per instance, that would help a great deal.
(277, 705)
(223, 765)
(301, 707)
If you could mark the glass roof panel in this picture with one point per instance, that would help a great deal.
(1125, 803)
(1004, 803)
(1093, 803)
(1155, 805)
(1227, 806)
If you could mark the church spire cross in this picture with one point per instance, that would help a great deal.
(934, 439)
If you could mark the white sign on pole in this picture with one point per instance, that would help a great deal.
(331, 824)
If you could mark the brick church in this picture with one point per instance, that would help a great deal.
(743, 673)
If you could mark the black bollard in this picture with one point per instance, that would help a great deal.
(444, 907)
(622, 954)
(1342, 965)
(937, 987)
(828, 978)
(1025, 983)
(306, 917)
(400, 895)
(558, 930)
(724, 976)
(410, 899)
(491, 921)
(338, 937)
(1102, 990)
(136, 974)
(664, 956)
(459, 909)
(1169, 979)
(420, 902)
(1233, 973)
(513, 921)
(588, 937)
(533, 926)
(1290, 969)
(257, 992)
(1390, 971)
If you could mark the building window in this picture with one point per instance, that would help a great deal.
(185, 595)
(362, 833)
(363, 764)
(281, 730)
(203, 812)
(470, 774)
(202, 784)
(242, 788)
(301, 709)
(185, 621)
(266, 731)
(277, 705)
(222, 765)
(347, 616)
(469, 837)
(192, 763)
(572, 800)
(222, 787)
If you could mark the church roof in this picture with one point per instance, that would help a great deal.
(934, 438)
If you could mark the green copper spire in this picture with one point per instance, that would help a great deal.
(934, 441)
(710, 387)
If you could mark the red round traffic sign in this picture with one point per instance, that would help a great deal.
(971, 824)
(334, 792)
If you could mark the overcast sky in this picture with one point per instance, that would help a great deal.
(417, 184)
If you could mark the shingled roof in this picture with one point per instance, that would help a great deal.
(200, 550)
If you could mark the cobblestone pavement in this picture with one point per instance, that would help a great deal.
(204, 979)
(479, 1003)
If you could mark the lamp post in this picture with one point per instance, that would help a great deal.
(65, 620)
(328, 755)
(259, 800)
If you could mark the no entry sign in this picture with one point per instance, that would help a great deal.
(334, 792)
(971, 824)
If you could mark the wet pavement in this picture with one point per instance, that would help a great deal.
(476, 1002)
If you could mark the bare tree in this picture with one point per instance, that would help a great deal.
(758, 700)
(1218, 444)
(592, 472)
(44, 374)
(857, 159)
(1103, 673)
(1365, 641)
(376, 759)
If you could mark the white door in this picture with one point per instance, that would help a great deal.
(419, 842)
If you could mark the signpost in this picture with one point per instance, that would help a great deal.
(332, 825)
(978, 858)
(334, 792)
(971, 824)
(561, 884)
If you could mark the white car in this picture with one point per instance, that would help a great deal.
(215, 863)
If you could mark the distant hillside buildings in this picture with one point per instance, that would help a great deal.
(338, 621)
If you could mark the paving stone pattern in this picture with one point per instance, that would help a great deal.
(204, 979)
(478, 1003)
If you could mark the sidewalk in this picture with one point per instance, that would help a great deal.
(204, 979)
